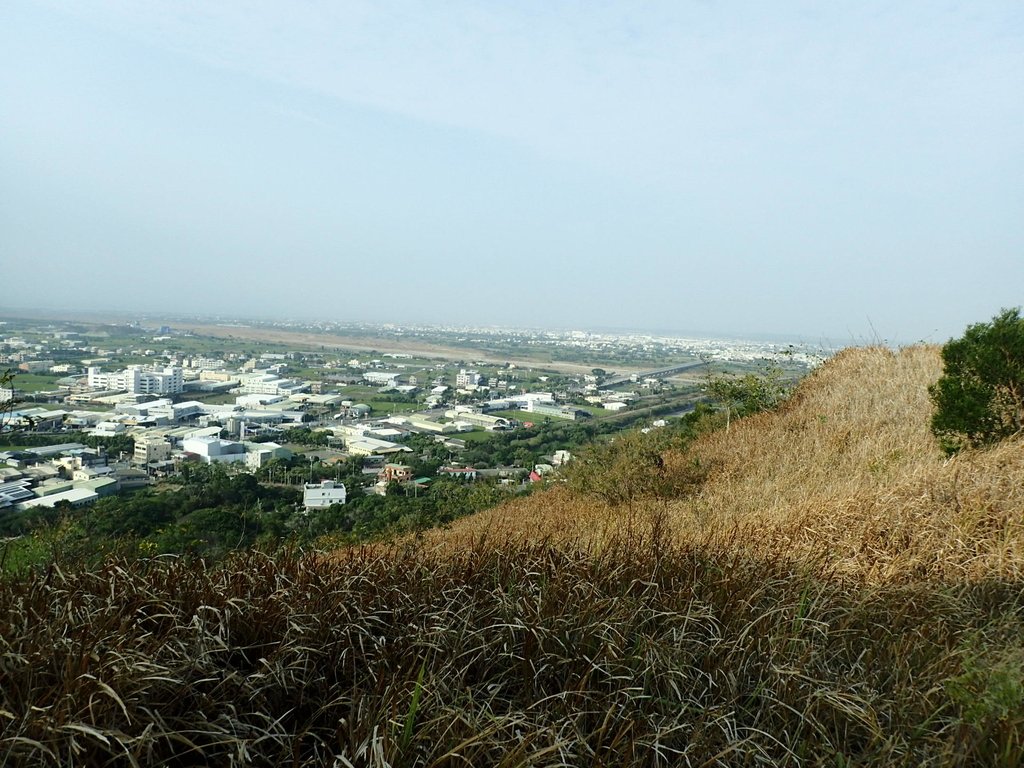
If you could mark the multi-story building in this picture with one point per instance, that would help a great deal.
(264, 383)
(139, 380)
(259, 454)
(214, 450)
(205, 363)
(395, 473)
(323, 494)
(151, 449)
(466, 378)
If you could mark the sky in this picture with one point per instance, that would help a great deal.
(841, 171)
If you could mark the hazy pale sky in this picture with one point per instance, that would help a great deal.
(839, 170)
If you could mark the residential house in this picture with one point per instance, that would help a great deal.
(323, 494)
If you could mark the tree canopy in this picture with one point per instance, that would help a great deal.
(979, 399)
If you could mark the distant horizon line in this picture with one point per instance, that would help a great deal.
(54, 313)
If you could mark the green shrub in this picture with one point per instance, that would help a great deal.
(979, 400)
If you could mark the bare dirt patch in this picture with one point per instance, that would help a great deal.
(373, 344)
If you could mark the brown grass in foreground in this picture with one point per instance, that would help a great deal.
(640, 654)
(847, 470)
(835, 593)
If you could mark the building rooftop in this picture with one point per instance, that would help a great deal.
(53, 450)
(74, 496)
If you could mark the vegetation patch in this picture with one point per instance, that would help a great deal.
(640, 653)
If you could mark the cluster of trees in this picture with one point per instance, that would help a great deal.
(525, 446)
(305, 436)
(751, 393)
(631, 465)
(300, 469)
(213, 512)
(402, 510)
(114, 444)
(979, 399)
(395, 397)
(210, 513)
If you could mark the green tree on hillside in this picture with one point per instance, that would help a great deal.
(7, 396)
(979, 398)
(745, 395)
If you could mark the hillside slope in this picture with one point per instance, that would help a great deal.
(847, 471)
(833, 592)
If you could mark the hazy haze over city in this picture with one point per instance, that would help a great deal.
(843, 170)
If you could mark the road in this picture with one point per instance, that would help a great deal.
(660, 373)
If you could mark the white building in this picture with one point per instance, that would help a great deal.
(76, 497)
(370, 446)
(91, 473)
(422, 423)
(139, 380)
(480, 419)
(205, 363)
(386, 378)
(150, 449)
(555, 410)
(264, 383)
(558, 458)
(259, 454)
(257, 401)
(213, 449)
(162, 411)
(323, 494)
(466, 378)
(528, 400)
(108, 429)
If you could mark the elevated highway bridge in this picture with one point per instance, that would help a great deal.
(660, 373)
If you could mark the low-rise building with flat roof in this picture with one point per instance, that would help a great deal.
(214, 450)
(368, 446)
(15, 492)
(76, 497)
(258, 454)
(323, 494)
(481, 419)
(556, 411)
(101, 486)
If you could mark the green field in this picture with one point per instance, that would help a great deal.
(386, 406)
(358, 392)
(35, 382)
(218, 398)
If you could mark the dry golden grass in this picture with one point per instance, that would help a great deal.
(642, 654)
(847, 471)
(835, 593)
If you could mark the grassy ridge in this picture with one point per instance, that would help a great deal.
(848, 469)
(832, 592)
(639, 654)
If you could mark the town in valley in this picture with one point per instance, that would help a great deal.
(95, 407)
